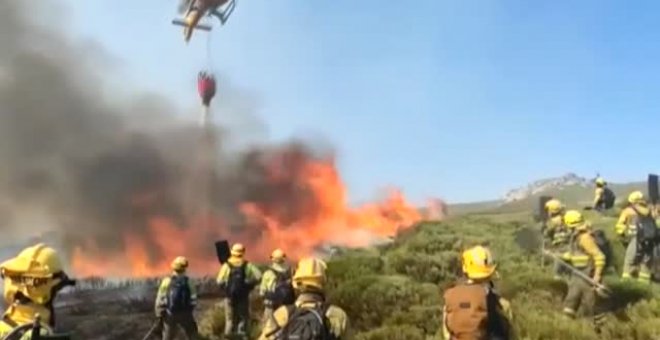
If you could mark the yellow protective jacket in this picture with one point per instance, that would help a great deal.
(626, 225)
(252, 273)
(504, 308)
(556, 229)
(585, 255)
(24, 313)
(269, 278)
(336, 316)
(599, 195)
(161, 296)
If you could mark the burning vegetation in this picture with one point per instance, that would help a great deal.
(285, 197)
(124, 196)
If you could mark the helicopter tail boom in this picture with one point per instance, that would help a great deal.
(202, 27)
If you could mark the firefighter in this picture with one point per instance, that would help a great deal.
(237, 277)
(276, 287)
(176, 300)
(604, 197)
(556, 232)
(585, 256)
(293, 321)
(32, 280)
(472, 309)
(599, 194)
(626, 228)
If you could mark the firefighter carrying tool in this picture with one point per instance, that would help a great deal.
(237, 277)
(587, 263)
(32, 280)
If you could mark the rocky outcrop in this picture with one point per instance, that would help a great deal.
(543, 185)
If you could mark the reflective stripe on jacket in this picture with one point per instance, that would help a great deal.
(584, 253)
(161, 296)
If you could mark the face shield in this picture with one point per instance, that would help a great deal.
(35, 275)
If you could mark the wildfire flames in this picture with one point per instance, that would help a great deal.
(120, 185)
(314, 212)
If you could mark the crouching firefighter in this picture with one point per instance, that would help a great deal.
(175, 302)
(237, 277)
(604, 197)
(585, 257)
(276, 284)
(311, 317)
(639, 234)
(473, 310)
(32, 280)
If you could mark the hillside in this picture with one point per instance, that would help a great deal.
(569, 189)
(572, 196)
(393, 291)
(544, 185)
(411, 270)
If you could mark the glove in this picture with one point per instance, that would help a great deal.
(623, 239)
(602, 292)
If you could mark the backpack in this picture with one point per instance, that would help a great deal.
(179, 295)
(472, 313)
(647, 230)
(236, 283)
(603, 244)
(608, 198)
(283, 294)
(306, 323)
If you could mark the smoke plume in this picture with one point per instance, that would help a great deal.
(90, 169)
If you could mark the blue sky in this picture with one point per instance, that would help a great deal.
(460, 99)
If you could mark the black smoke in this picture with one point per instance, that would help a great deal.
(80, 164)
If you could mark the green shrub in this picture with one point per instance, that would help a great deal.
(394, 291)
(353, 265)
(212, 322)
(430, 254)
(424, 268)
(369, 300)
(399, 332)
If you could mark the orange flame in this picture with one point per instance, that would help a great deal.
(328, 221)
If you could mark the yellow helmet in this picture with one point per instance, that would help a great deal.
(600, 181)
(310, 273)
(636, 197)
(277, 255)
(180, 263)
(237, 250)
(34, 272)
(574, 219)
(554, 206)
(478, 263)
(38, 261)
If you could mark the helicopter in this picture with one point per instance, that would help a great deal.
(194, 10)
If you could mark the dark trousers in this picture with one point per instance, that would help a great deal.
(581, 293)
(237, 318)
(185, 320)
